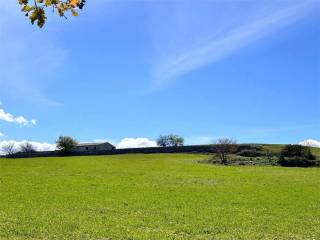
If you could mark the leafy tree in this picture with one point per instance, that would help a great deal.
(163, 141)
(65, 144)
(225, 146)
(9, 149)
(27, 147)
(171, 140)
(175, 140)
(36, 9)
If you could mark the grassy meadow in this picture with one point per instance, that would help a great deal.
(155, 196)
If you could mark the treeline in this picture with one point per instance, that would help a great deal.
(65, 144)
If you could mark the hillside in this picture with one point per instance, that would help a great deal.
(155, 196)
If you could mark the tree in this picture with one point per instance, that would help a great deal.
(36, 9)
(27, 147)
(163, 141)
(171, 140)
(175, 140)
(65, 144)
(225, 146)
(9, 149)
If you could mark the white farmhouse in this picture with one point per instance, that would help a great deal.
(102, 146)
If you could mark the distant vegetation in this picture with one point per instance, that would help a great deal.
(224, 151)
(296, 156)
(225, 146)
(264, 154)
(27, 147)
(8, 149)
(171, 140)
(65, 144)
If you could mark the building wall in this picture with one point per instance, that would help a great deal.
(100, 147)
(105, 147)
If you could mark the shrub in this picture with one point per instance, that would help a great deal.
(296, 156)
(297, 150)
(296, 162)
(250, 153)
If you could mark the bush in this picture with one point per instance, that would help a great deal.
(297, 151)
(249, 153)
(296, 162)
(296, 156)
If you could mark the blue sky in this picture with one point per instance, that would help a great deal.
(136, 69)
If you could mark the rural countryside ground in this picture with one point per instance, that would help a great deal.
(155, 196)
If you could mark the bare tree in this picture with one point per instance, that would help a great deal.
(224, 147)
(9, 149)
(27, 147)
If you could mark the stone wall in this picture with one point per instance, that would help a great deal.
(182, 149)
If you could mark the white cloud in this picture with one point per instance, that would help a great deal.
(39, 146)
(174, 59)
(1, 134)
(310, 143)
(33, 121)
(22, 121)
(136, 143)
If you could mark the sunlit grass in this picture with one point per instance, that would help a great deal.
(155, 196)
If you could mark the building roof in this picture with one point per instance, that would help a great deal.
(92, 144)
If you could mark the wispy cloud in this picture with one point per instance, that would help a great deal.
(22, 121)
(228, 41)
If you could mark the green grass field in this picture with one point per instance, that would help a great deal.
(155, 196)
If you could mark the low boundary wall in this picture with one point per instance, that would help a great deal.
(181, 149)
